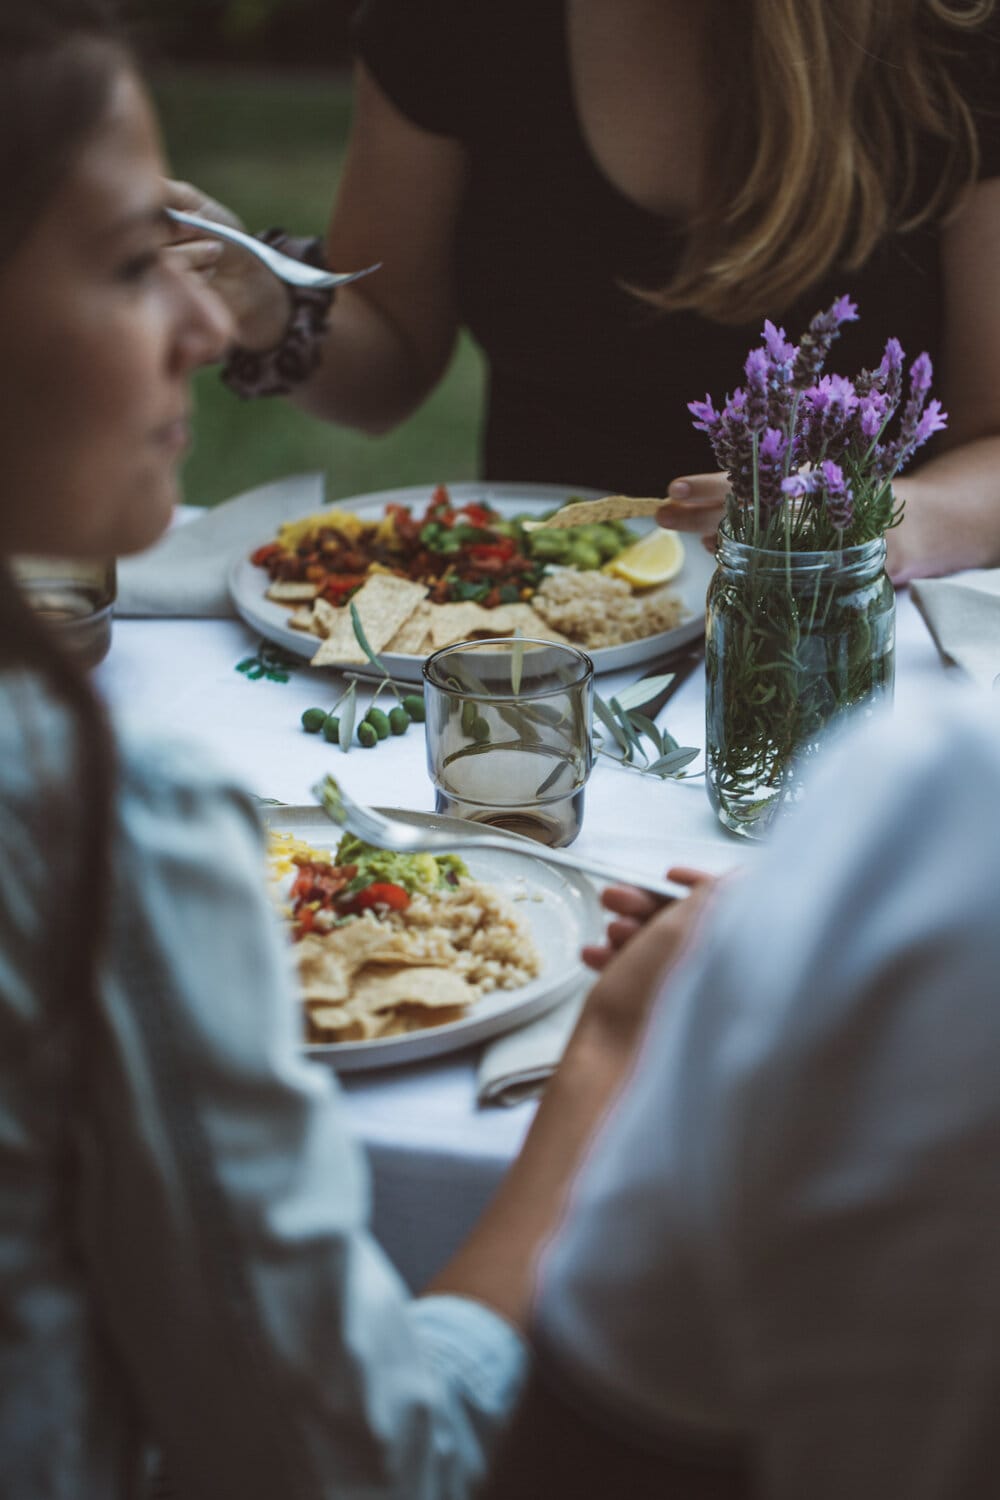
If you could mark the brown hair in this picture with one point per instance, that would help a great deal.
(844, 94)
(57, 62)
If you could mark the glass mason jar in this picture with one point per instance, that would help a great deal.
(75, 597)
(793, 641)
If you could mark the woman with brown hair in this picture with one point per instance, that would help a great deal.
(613, 196)
(185, 1262)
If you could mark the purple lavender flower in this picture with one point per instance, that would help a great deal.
(917, 424)
(887, 377)
(934, 419)
(730, 437)
(826, 484)
(873, 411)
(779, 351)
(839, 497)
(706, 418)
(815, 343)
(757, 370)
(825, 414)
(771, 467)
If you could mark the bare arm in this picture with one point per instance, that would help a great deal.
(391, 335)
(496, 1263)
(952, 517)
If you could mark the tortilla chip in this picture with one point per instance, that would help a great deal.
(588, 512)
(325, 617)
(291, 592)
(405, 1018)
(327, 964)
(461, 621)
(387, 1001)
(411, 638)
(529, 622)
(381, 987)
(383, 603)
(303, 619)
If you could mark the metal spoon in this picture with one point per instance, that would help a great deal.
(405, 838)
(285, 267)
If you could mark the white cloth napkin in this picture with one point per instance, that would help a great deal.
(185, 573)
(518, 1064)
(963, 616)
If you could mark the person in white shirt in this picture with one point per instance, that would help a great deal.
(779, 1273)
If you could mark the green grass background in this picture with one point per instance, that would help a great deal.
(272, 148)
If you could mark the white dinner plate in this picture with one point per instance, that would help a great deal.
(248, 584)
(561, 908)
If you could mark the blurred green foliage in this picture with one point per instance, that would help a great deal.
(271, 147)
(264, 32)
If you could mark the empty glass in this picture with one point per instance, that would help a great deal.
(75, 597)
(508, 731)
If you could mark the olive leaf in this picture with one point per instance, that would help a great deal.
(347, 716)
(629, 728)
(373, 657)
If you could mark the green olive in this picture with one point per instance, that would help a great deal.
(379, 722)
(367, 734)
(399, 719)
(469, 715)
(584, 555)
(313, 720)
(480, 730)
(414, 705)
(331, 728)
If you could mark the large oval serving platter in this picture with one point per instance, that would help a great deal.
(248, 584)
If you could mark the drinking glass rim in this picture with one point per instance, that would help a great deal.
(584, 664)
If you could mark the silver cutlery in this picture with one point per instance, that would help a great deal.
(406, 838)
(285, 267)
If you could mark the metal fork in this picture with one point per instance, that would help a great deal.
(285, 267)
(404, 838)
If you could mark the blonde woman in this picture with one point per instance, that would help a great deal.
(613, 194)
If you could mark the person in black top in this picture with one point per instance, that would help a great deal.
(613, 196)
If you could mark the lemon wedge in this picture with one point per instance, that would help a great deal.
(654, 558)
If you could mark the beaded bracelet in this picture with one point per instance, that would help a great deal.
(273, 372)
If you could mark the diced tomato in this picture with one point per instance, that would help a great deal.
(265, 553)
(481, 554)
(337, 586)
(379, 893)
(478, 515)
(439, 507)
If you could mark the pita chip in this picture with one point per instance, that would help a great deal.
(588, 512)
(383, 603)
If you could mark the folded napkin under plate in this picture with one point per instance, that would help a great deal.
(517, 1065)
(963, 616)
(185, 575)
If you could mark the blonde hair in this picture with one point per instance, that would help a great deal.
(841, 92)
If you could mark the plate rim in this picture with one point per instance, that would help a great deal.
(407, 668)
(470, 1030)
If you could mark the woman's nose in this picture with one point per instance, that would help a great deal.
(206, 326)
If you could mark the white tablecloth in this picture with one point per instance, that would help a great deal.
(436, 1156)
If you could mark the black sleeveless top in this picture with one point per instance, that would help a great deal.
(587, 384)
